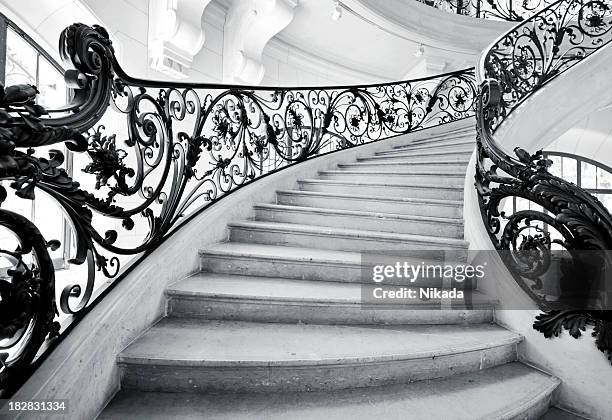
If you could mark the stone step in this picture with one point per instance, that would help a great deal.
(306, 263)
(461, 148)
(458, 142)
(430, 190)
(434, 166)
(512, 391)
(420, 156)
(372, 203)
(366, 220)
(199, 356)
(555, 413)
(262, 299)
(445, 137)
(341, 239)
(452, 179)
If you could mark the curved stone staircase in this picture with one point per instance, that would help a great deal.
(273, 328)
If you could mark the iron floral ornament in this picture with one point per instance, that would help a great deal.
(572, 222)
(174, 148)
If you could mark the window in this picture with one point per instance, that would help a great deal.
(22, 61)
(594, 177)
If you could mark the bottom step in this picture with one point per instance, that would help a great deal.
(511, 391)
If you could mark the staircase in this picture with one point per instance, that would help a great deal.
(272, 327)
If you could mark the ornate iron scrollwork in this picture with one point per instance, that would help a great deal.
(172, 149)
(564, 216)
(509, 10)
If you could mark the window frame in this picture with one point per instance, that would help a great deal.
(7, 24)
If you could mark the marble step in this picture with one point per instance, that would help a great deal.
(555, 413)
(372, 203)
(393, 189)
(512, 392)
(196, 355)
(420, 156)
(366, 220)
(462, 148)
(451, 179)
(264, 299)
(402, 165)
(441, 138)
(466, 142)
(315, 264)
(335, 238)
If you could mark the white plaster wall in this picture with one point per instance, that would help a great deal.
(591, 137)
(289, 66)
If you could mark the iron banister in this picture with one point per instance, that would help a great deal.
(181, 147)
(516, 65)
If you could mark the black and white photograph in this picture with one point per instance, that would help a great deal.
(306, 209)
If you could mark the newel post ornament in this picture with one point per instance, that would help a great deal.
(27, 287)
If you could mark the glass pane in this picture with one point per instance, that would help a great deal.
(588, 175)
(51, 86)
(523, 204)
(570, 170)
(604, 179)
(16, 204)
(556, 168)
(49, 220)
(606, 200)
(21, 60)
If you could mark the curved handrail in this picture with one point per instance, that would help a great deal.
(516, 65)
(184, 147)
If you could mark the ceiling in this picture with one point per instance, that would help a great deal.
(350, 41)
(374, 39)
(379, 38)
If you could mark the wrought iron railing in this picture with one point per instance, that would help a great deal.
(509, 10)
(564, 216)
(162, 153)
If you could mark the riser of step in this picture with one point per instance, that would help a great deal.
(325, 238)
(420, 158)
(298, 264)
(442, 167)
(371, 204)
(201, 359)
(391, 190)
(366, 221)
(160, 378)
(443, 139)
(281, 300)
(268, 267)
(466, 148)
(512, 392)
(446, 136)
(452, 180)
(311, 313)
(468, 143)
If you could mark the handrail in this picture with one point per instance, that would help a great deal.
(516, 65)
(508, 10)
(184, 147)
